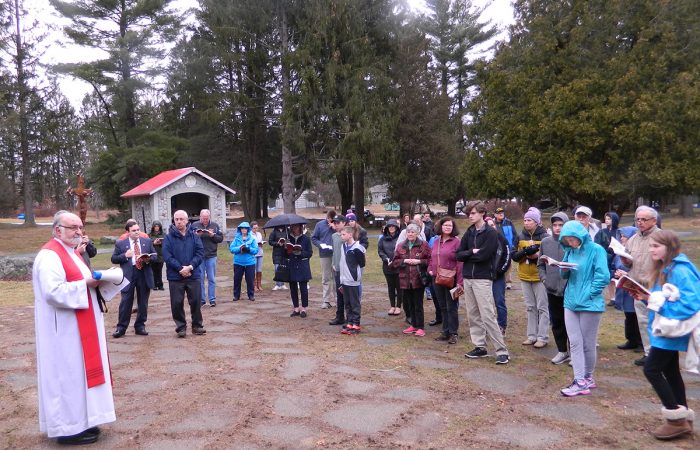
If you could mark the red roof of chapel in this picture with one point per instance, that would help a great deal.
(163, 179)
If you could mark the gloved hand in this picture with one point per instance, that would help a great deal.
(656, 301)
(531, 249)
(245, 249)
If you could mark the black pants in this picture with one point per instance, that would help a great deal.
(157, 268)
(137, 288)
(351, 294)
(294, 288)
(392, 284)
(632, 329)
(556, 318)
(664, 374)
(238, 272)
(436, 304)
(339, 299)
(414, 297)
(449, 309)
(178, 289)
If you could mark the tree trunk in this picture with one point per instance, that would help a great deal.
(287, 160)
(359, 192)
(23, 95)
(686, 206)
(345, 186)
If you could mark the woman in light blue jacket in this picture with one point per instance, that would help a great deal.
(675, 299)
(244, 248)
(583, 302)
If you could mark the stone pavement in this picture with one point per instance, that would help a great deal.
(260, 379)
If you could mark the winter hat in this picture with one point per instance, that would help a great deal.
(534, 214)
(560, 216)
(350, 216)
(338, 218)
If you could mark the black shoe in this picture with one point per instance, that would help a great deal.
(142, 332)
(627, 346)
(198, 331)
(181, 333)
(252, 299)
(235, 299)
(641, 361)
(478, 352)
(336, 322)
(117, 334)
(302, 314)
(442, 337)
(94, 430)
(78, 439)
(453, 339)
(502, 359)
(294, 314)
(432, 323)
(212, 304)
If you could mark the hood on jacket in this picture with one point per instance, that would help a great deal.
(243, 225)
(154, 223)
(390, 222)
(561, 215)
(628, 232)
(575, 229)
(683, 259)
(615, 219)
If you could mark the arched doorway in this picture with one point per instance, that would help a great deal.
(190, 202)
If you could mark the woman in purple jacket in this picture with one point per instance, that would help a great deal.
(443, 255)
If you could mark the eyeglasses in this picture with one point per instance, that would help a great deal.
(74, 227)
(643, 219)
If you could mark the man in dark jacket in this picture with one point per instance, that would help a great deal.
(183, 253)
(477, 250)
(507, 230)
(210, 234)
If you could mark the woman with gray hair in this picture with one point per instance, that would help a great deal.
(411, 258)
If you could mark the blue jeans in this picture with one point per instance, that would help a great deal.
(278, 283)
(208, 268)
(499, 296)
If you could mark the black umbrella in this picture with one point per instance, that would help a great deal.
(285, 220)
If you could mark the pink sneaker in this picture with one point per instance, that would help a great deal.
(410, 330)
(420, 333)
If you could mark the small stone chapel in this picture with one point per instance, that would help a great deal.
(188, 189)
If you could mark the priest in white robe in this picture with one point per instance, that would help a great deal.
(74, 380)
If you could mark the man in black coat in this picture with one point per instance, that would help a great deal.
(130, 254)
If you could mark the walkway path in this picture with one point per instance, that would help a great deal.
(259, 379)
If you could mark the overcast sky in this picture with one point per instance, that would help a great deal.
(499, 12)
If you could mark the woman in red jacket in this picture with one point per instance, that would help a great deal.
(443, 256)
(411, 258)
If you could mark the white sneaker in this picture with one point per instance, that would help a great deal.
(326, 306)
(284, 287)
(276, 288)
(561, 358)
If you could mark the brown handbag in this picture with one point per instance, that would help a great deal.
(444, 277)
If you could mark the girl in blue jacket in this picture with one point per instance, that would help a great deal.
(583, 302)
(244, 248)
(661, 367)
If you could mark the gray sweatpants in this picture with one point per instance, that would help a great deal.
(582, 328)
(537, 305)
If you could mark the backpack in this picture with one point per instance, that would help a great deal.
(501, 260)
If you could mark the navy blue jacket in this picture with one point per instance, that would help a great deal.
(299, 267)
(180, 251)
(119, 257)
(323, 234)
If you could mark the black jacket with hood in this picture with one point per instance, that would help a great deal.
(387, 245)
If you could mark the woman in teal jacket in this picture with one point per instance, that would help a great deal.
(677, 304)
(583, 302)
(244, 248)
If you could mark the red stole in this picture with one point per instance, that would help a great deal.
(94, 371)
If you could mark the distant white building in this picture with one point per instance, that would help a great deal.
(307, 199)
(378, 193)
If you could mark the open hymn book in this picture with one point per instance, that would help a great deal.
(632, 286)
(560, 264)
